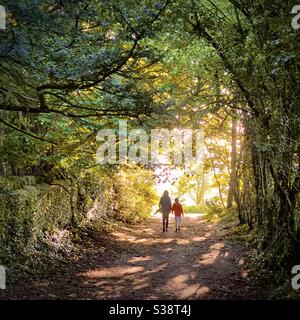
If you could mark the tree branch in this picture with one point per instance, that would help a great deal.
(26, 132)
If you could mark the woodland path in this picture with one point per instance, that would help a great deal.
(141, 262)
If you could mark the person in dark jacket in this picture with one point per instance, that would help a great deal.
(165, 206)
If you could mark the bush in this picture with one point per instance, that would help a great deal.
(28, 212)
(31, 212)
(134, 194)
(195, 209)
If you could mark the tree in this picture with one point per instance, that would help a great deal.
(258, 48)
(58, 87)
(192, 184)
(233, 167)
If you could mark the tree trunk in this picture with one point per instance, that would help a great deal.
(232, 180)
(2, 133)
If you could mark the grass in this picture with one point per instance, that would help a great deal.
(214, 213)
(195, 209)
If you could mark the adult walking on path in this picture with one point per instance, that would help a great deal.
(165, 206)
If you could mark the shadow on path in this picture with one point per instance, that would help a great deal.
(144, 263)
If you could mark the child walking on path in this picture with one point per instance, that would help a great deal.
(178, 210)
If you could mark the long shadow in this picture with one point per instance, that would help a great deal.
(197, 263)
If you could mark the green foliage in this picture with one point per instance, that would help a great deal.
(218, 213)
(134, 194)
(159, 64)
(13, 183)
(194, 209)
(30, 213)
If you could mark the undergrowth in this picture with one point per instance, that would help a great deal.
(275, 281)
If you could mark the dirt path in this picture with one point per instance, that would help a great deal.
(144, 263)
